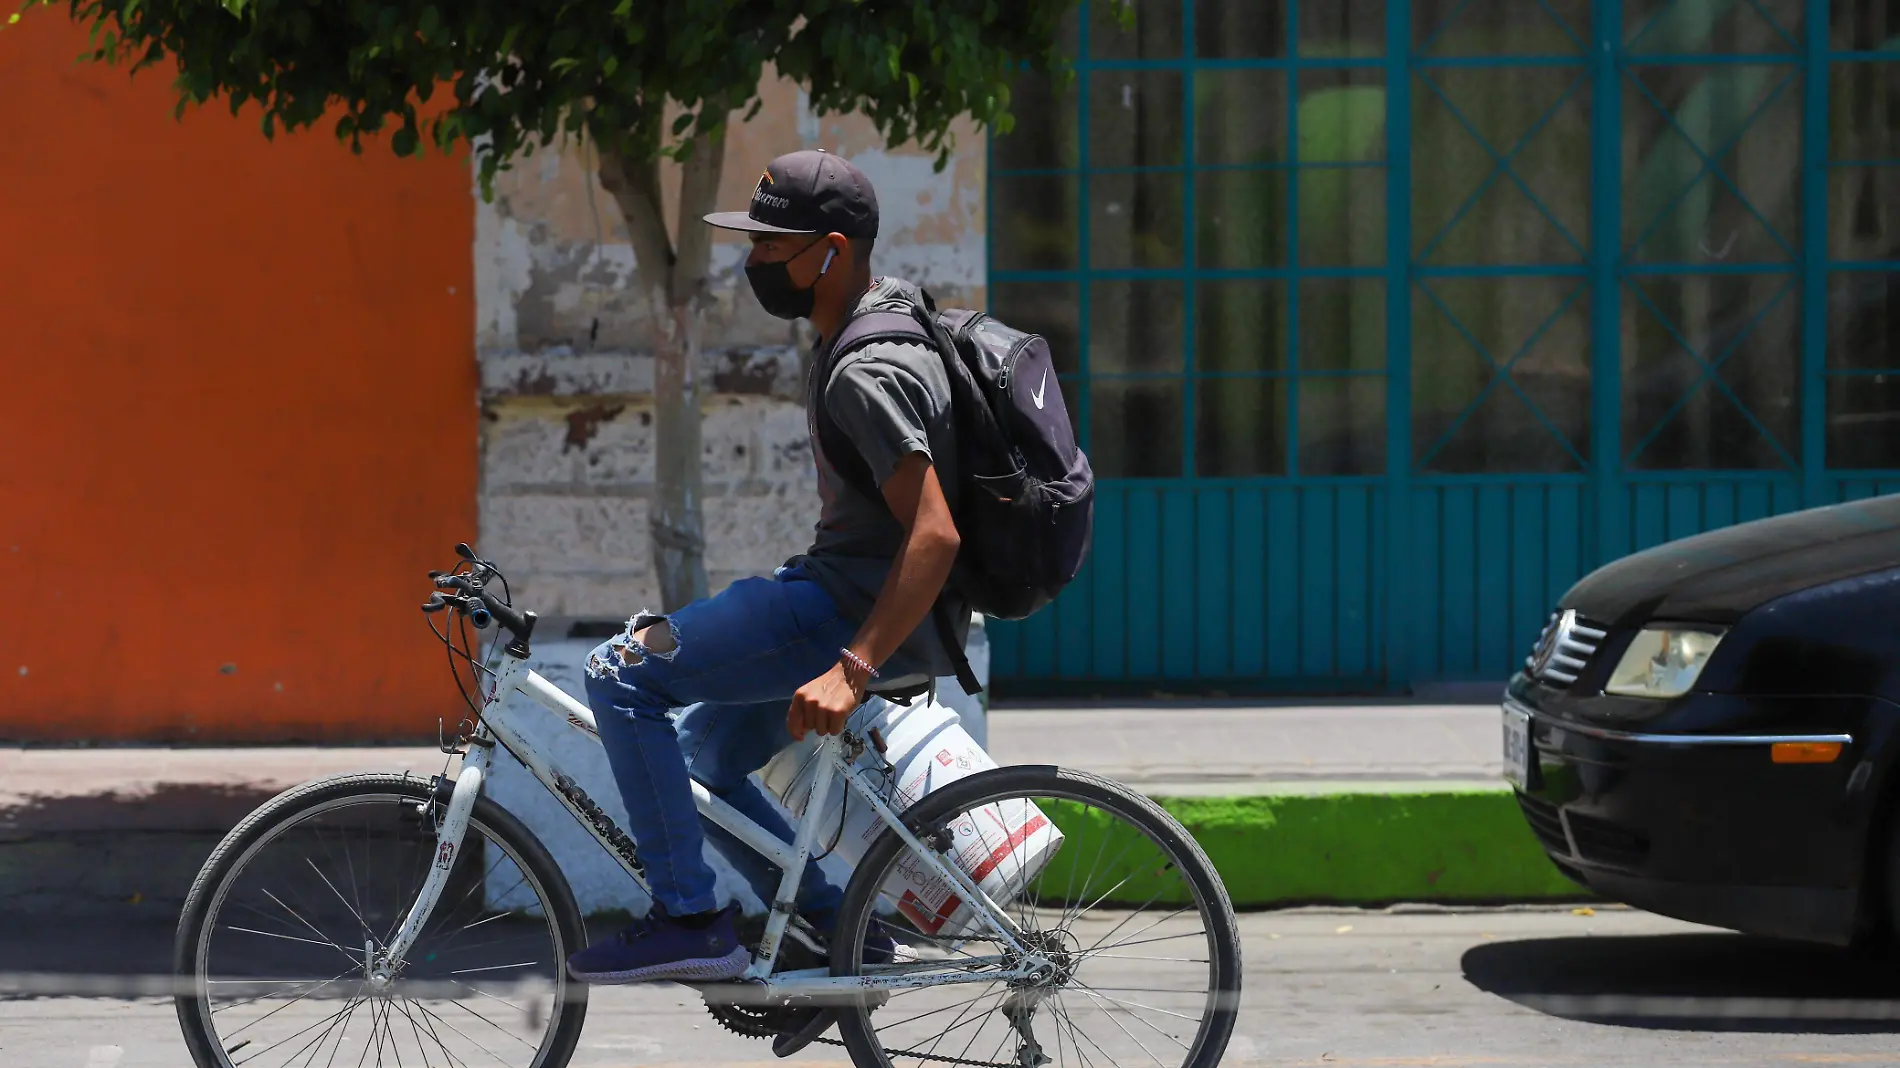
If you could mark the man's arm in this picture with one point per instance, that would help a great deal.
(916, 578)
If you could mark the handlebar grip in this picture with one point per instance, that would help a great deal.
(516, 623)
(480, 616)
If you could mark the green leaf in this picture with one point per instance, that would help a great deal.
(404, 141)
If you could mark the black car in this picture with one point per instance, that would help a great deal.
(1706, 729)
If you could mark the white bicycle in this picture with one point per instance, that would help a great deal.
(402, 921)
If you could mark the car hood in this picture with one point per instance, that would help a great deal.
(1718, 576)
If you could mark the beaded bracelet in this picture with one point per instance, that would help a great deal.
(858, 662)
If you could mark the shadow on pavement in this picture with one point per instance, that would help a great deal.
(1696, 982)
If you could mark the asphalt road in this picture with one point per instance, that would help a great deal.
(1323, 987)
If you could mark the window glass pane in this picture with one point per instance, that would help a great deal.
(1342, 28)
(1342, 116)
(1864, 201)
(1342, 324)
(1747, 120)
(1032, 222)
(1241, 325)
(1865, 25)
(1135, 220)
(1046, 308)
(1677, 27)
(1239, 116)
(1136, 431)
(1155, 33)
(1241, 216)
(1135, 327)
(1135, 118)
(1863, 409)
(1342, 425)
(1744, 416)
(1342, 216)
(1503, 27)
(1046, 133)
(1464, 209)
(1469, 416)
(1241, 427)
(1240, 29)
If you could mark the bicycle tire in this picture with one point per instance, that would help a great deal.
(287, 807)
(855, 1022)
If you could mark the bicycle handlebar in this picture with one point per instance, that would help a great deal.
(476, 602)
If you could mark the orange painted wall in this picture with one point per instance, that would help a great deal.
(238, 416)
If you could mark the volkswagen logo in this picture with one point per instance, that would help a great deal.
(1554, 636)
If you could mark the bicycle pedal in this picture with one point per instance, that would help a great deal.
(814, 1027)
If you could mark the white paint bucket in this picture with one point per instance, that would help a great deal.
(1002, 846)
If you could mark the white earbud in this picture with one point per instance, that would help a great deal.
(830, 252)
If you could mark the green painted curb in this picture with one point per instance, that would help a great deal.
(1405, 842)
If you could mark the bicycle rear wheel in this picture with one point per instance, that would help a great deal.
(277, 933)
(1140, 930)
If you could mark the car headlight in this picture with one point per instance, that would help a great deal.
(1662, 662)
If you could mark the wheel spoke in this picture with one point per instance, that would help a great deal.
(462, 944)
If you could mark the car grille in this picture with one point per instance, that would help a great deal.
(1564, 648)
(1602, 842)
(1545, 824)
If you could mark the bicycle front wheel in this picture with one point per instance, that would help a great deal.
(278, 944)
(1137, 932)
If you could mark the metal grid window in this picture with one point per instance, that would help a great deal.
(1385, 320)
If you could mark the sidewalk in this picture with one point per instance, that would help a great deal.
(83, 827)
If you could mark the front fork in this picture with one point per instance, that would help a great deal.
(448, 844)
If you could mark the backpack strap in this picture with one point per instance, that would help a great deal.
(913, 327)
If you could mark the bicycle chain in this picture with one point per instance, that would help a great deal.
(930, 1056)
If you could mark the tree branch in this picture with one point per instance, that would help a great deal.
(699, 193)
(635, 186)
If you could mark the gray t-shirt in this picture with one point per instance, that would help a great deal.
(888, 400)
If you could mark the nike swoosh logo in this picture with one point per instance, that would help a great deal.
(1042, 390)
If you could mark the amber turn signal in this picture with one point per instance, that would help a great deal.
(1806, 752)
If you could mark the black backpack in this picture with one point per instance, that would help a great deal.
(1025, 495)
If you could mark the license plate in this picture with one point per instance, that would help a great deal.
(1518, 752)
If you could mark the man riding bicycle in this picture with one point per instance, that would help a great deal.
(767, 660)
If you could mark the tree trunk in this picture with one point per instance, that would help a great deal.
(672, 279)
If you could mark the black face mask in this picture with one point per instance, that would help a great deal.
(772, 284)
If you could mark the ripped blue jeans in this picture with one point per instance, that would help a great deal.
(736, 660)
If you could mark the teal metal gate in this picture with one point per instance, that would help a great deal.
(1386, 321)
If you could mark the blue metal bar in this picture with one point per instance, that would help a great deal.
(1502, 373)
(1190, 400)
(1875, 56)
(1636, 38)
(1606, 215)
(1882, 266)
(1814, 233)
(1709, 367)
(1083, 224)
(1782, 32)
(1440, 62)
(1438, 30)
(1709, 59)
(1708, 159)
(1401, 562)
(1292, 255)
(1501, 164)
(1644, 269)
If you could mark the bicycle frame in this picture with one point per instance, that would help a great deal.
(498, 726)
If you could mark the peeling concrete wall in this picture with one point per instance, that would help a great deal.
(567, 450)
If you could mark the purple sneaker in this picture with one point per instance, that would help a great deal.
(660, 948)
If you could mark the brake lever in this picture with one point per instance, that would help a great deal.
(436, 603)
